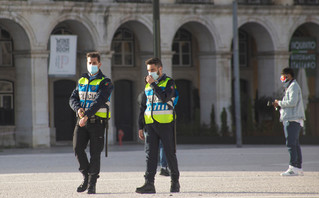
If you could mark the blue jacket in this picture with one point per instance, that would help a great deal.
(292, 105)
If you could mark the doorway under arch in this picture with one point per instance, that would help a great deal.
(123, 103)
(64, 117)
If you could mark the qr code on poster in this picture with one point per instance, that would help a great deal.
(62, 45)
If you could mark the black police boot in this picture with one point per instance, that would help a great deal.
(147, 188)
(84, 184)
(175, 186)
(164, 172)
(92, 184)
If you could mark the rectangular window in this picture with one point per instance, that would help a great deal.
(175, 59)
(186, 60)
(127, 47)
(76, 0)
(5, 53)
(117, 59)
(182, 56)
(128, 60)
(306, 2)
(243, 50)
(7, 102)
(186, 53)
(185, 47)
(123, 53)
(6, 87)
(134, 1)
(6, 109)
(255, 2)
(117, 47)
(175, 47)
(195, 1)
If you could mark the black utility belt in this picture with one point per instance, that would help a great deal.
(96, 120)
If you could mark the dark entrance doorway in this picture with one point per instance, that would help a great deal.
(184, 105)
(64, 117)
(123, 102)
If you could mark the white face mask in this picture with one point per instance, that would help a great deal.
(154, 75)
(92, 69)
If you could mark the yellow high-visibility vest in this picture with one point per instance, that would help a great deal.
(155, 108)
(87, 94)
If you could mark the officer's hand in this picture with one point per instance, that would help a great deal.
(276, 103)
(150, 79)
(83, 121)
(81, 112)
(141, 134)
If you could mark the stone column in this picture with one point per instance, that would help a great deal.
(224, 86)
(143, 58)
(167, 62)
(215, 86)
(106, 60)
(281, 61)
(207, 86)
(266, 74)
(40, 100)
(23, 97)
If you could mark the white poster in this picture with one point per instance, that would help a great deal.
(62, 55)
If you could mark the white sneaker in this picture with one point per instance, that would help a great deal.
(293, 171)
(300, 171)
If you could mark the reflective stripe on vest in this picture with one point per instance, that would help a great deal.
(87, 94)
(159, 111)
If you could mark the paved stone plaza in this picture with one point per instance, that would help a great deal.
(206, 171)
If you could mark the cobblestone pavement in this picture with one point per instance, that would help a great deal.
(206, 171)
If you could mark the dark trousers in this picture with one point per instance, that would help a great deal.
(93, 133)
(292, 131)
(162, 159)
(154, 133)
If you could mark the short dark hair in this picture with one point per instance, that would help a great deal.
(156, 61)
(288, 70)
(94, 55)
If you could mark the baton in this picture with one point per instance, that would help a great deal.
(175, 142)
(106, 137)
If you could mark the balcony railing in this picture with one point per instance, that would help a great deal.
(133, 1)
(255, 2)
(306, 2)
(195, 1)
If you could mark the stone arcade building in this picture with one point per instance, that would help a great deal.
(196, 42)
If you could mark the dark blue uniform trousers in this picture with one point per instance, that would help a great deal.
(153, 134)
(93, 132)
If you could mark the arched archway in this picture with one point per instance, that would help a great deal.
(132, 45)
(257, 66)
(61, 86)
(194, 59)
(17, 69)
(304, 59)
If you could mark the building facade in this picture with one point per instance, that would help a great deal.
(196, 44)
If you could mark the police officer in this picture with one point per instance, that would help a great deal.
(157, 116)
(90, 100)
